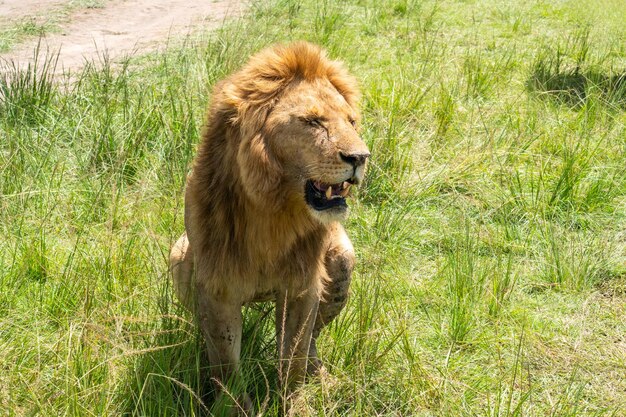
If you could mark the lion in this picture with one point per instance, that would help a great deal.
(264, 203)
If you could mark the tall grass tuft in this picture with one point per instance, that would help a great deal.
(465, 278)
(26, 93)
(571, 261)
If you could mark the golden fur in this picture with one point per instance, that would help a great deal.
(233, 200)
(250, 233)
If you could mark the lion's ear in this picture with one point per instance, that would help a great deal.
(260, 172)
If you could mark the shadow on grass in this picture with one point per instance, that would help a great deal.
(573, 86)
(172, 377)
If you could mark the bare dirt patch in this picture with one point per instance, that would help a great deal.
(17, 9)
(120, 28)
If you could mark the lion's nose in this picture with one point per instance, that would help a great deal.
(355, 159)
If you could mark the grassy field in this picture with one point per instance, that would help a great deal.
(491, 233)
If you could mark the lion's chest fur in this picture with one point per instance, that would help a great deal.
(247, 254)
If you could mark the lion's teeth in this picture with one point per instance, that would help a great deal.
(345, 185)
(344, 192)
(329, 192)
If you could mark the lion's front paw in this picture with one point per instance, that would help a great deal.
(315, 367)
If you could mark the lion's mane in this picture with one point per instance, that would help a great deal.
(238, 222)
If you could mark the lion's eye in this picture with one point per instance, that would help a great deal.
(314, 122)
(352, 122)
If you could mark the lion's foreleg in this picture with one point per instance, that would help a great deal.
(221, 324)
(295, 317)
(339, 262)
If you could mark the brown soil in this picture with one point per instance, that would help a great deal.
(120, 27)
(19, 9)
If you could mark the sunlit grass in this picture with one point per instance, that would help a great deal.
(491, 275)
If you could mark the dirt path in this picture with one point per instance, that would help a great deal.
(17, 9)
(120, 27)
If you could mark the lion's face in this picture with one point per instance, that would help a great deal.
(312, 132)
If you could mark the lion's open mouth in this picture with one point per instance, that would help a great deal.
(323, 196)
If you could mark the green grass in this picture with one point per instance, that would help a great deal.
(16, 31)
(490, 233)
